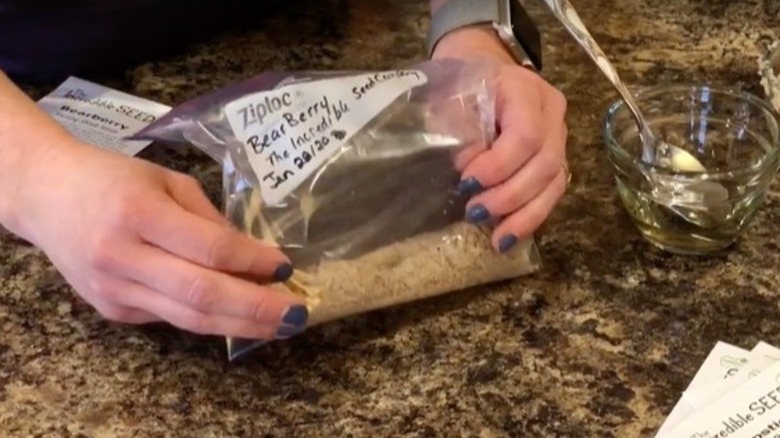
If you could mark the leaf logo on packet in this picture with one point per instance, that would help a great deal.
(290, 132)
(732, 363)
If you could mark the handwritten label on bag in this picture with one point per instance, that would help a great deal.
(100, 115)
(290, 132)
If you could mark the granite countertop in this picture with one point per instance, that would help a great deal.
(599, 343)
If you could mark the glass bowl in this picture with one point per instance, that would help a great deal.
(681, 209)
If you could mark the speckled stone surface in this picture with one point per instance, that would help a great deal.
(598, 344)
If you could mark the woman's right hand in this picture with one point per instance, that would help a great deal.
(142, 243)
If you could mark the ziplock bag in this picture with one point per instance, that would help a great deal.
(354, 175)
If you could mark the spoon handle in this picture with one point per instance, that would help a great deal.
(568, 16)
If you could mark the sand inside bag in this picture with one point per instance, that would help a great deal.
(454, 258)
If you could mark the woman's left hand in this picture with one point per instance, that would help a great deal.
(520, 178)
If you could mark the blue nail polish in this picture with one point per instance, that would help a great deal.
(296, 316)
(477, 213)
(288, 331)
(470, 186)
(507, 242)
(283, 272)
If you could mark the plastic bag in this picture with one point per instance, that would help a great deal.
(354, 176)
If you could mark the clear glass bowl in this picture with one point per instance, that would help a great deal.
(733, 134)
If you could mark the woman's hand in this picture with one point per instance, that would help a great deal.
(520, 178)
(142, 243)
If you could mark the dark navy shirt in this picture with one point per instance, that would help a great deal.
(51, 39)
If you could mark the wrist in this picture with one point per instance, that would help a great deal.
(30, 142)
(473, 42)
(26, 170)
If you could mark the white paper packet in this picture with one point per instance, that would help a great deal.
(750, 410)
(706, 388)
(101, 116)
(722, 363)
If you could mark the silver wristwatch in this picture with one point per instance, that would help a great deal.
(508, 17)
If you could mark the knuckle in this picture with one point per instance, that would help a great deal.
(102, 254)
(201, 292)
(101, 287)
(125, 210)
(559, 99)
(219, 250)
(189, 182)
(530, 138)
(492, 171)
(259, 310)
(549, 167)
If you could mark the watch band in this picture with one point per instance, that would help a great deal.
(454, 14)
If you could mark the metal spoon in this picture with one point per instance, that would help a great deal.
(713, 195)
(567, 15)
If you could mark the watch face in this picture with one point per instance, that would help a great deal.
(525, 32)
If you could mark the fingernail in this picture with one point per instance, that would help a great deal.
(507, 242)
(470, 186)
(286, 331)
(296, 316)
(477, 213)
(283, 272)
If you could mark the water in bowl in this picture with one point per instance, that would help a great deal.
(686, 212)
